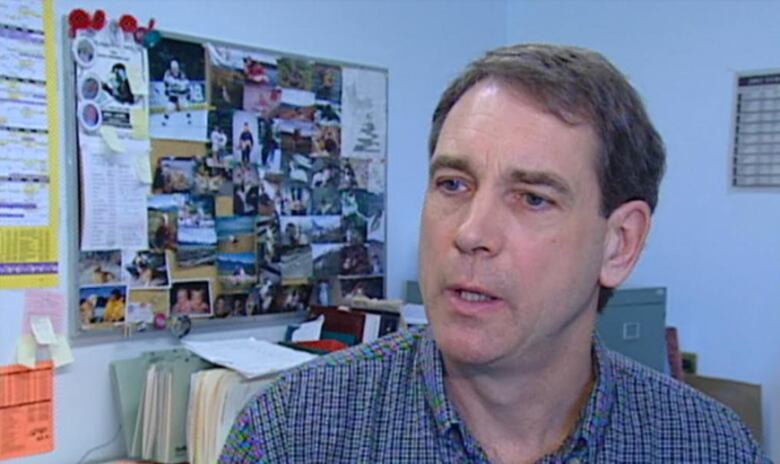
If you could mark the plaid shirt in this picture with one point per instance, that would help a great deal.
(384, 402)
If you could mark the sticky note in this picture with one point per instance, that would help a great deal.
(25, 351)
(42, 330)
(138, 84)
(112, 139)
(140, 122)
(60, 351)
(143, 169)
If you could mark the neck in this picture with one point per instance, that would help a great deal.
(527, 410)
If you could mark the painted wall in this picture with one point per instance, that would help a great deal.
(422, 43)
(717, 250)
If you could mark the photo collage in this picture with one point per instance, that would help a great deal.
(255, 205)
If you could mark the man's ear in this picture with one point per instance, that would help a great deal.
(627, 228)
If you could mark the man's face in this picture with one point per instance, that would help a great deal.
(512, 241)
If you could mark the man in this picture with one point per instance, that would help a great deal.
(544, 172)
(177, 89)
(245, 143)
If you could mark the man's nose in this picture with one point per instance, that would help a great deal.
(480, 229)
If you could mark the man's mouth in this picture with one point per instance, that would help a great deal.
(474, 297)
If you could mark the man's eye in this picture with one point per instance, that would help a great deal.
(451, 185)
(535, 201)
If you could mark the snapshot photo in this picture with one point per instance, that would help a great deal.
(295, 73)
(371, 287)
(145, 269)
(237, 272)
(177, 96)
(174, 175)
(100, 267)
(102, 306)
(190, 298)
(162, 221)
(327, 82)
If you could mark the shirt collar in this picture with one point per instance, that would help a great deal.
(594, 417)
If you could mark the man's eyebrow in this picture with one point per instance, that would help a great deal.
(448, 162)
(548, 179)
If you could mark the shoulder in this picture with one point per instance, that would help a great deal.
(329, 407)
(369, 363)
(676, 421)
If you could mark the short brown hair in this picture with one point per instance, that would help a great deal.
(577, 86)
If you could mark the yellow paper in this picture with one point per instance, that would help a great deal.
(143, 169)
(25, 351)
(137, 83)
(60, 351)
(112, 139)
(35, 248)
(43, 330)
(140, 122)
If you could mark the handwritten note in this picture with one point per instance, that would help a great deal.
(26, 410)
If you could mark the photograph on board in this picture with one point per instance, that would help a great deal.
(174, 175)
(196, 235)
(190, 298)
(270, 146)
(327, 82)
(268, 241)
(354, 260)
(100, 267)
(177, 92)
(268, 289)
(325, 201)
(237, 272)
(296, 262)
(296, 230)
(294, 298)
(258, 72)
(236, 234)
(354, 173)
(145, 269)
(369, 287)
(226, 88)
(220, 144)
(295, 137)
(326, 229)
(102, 306)
(245, 137)
(326, 141)
(262, 99)
(295, 73)
(295, 199)
(327, 259)
(144, 301)
(163, 213)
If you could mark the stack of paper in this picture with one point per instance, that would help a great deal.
(216, 398)
(251, 358)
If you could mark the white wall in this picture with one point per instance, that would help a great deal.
(718, 251)
(423, 43)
